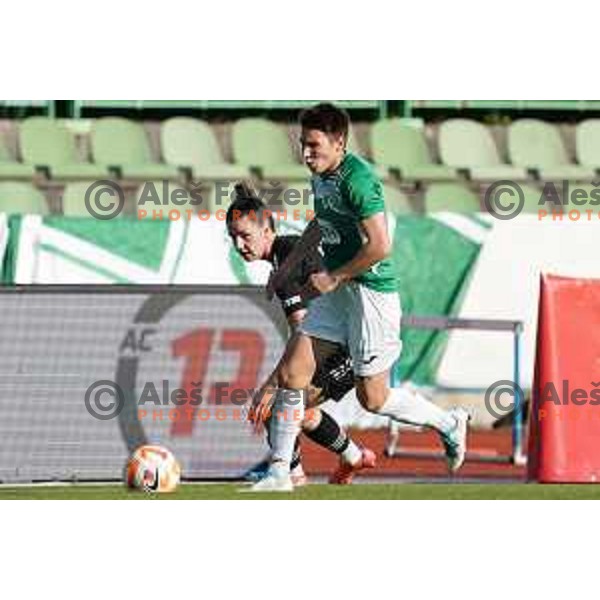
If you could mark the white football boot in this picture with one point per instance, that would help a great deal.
(455, 441)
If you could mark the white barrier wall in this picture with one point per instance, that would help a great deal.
(57, 345)
(505, 285)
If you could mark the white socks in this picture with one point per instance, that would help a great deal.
(352, 454)
(410, 407)
(286, 422)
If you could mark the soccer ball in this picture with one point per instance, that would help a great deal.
(153, 469)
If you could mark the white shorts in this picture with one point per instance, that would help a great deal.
(363, 320)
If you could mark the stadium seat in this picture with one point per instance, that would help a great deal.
(398, 145)
(118, 142)
(588, 143)
(191, 143)
(466, 144)
(533, 144)
(261, 144)
(48, 143)
(11, 169)
(452, 197)
(396, 201)
(17, 197)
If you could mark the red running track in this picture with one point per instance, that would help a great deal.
(320, 462)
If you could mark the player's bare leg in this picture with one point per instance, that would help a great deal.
(322, 429)
(295, 374)
(407, 406)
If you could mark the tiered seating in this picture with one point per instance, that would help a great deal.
(190, 143)
(120, 143)
(49, 144)
(265, 146)
(424, 168)
(536, 145)
(468, 145)
(10, 168)
(588, 143)
(401, 146)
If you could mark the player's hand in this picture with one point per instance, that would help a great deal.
(261, 408)
(325, 282)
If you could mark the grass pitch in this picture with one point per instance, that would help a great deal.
(395, 491)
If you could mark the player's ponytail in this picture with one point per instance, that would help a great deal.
(243, 190)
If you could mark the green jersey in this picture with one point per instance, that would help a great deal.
(344, 198)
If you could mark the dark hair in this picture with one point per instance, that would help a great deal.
(327, 118)
(247, 203)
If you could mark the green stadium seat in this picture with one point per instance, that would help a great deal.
(48, 143)
(261, 144)
(397, 144)
(451, 197)
(588, 143)
(11, 169)
(118, 142)
(401, 144)
(18, 197)
(191, 143)
(533, 144)
(466, 144)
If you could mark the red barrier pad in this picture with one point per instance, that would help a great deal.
(564, 440)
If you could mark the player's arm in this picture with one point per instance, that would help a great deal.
(308, 242)
(375, 249)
